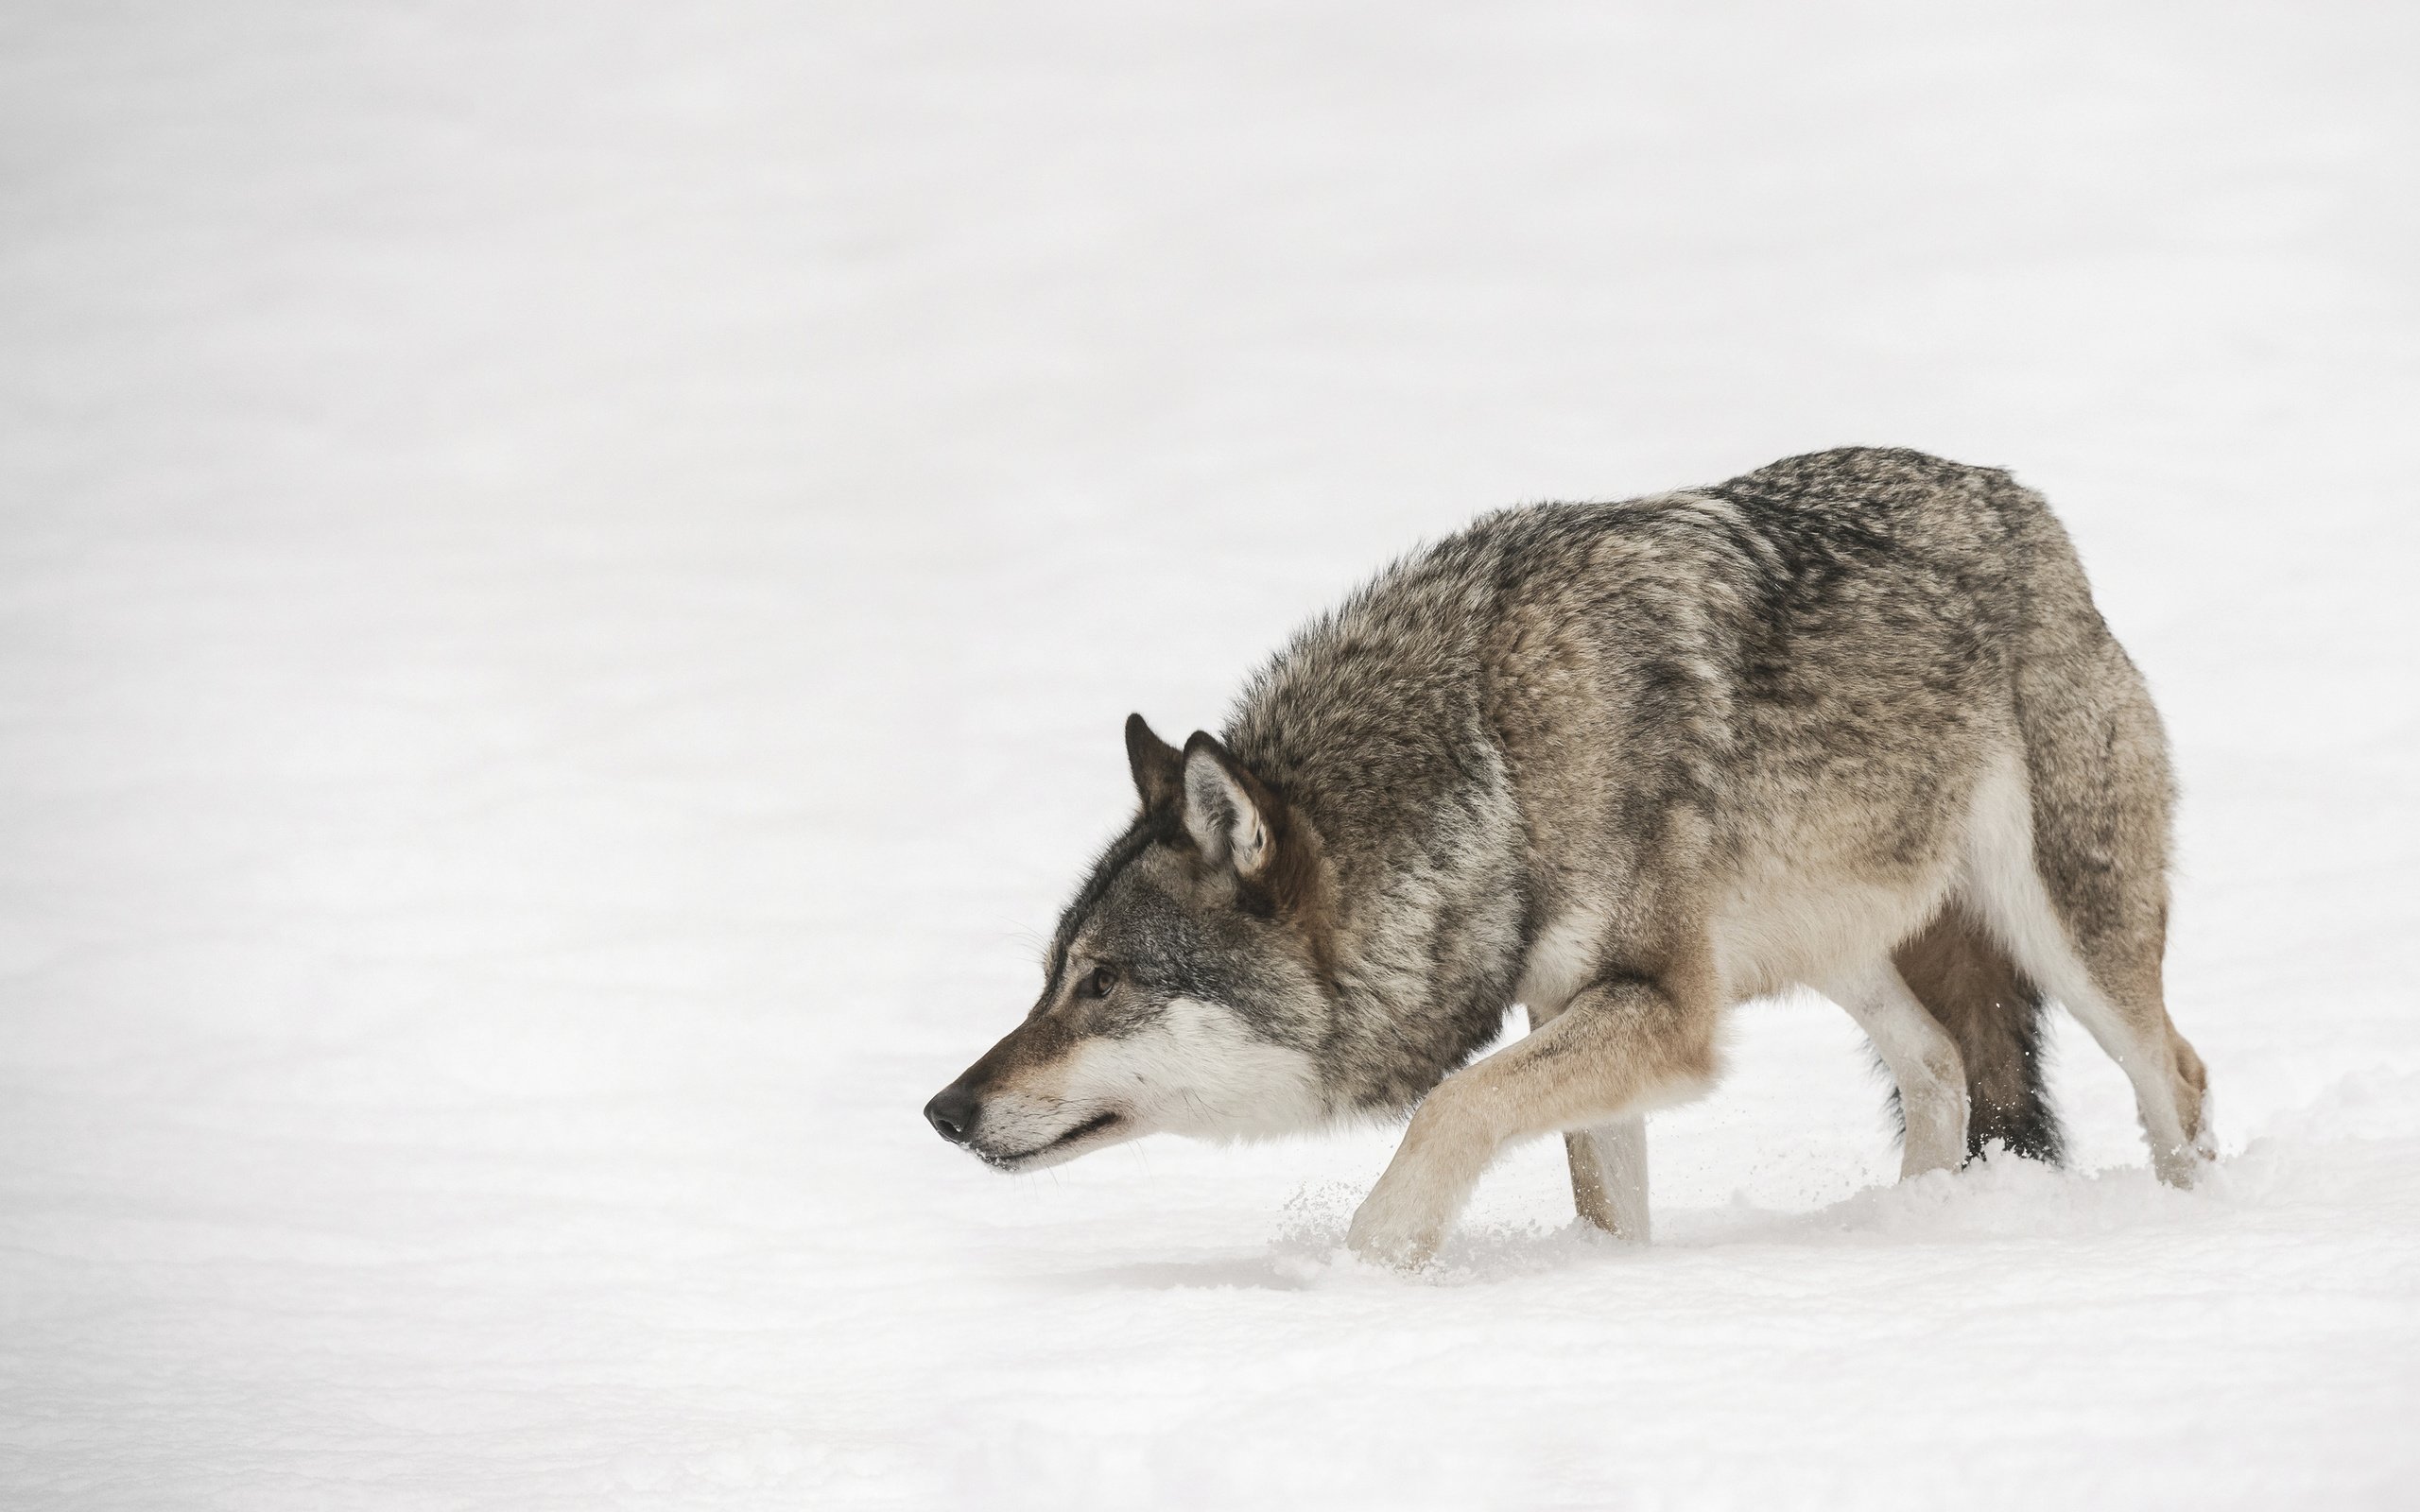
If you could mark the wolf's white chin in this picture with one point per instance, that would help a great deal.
(1095, 1132)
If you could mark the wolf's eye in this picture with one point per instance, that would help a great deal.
(1099, 982)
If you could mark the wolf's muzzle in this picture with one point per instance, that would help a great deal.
(953, 1112)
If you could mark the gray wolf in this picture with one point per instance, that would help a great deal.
(1849, 722)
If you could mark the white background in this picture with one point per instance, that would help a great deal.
(570, 577)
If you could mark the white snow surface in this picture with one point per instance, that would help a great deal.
(571, 574)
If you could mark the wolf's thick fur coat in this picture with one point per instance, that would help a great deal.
(1851, 722)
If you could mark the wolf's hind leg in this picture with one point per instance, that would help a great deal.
(2114, 993)
(1923, 1059)
(1609, 1176)
(2091, 931)
(1626, 1045)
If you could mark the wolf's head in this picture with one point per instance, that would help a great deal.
(1186, 987)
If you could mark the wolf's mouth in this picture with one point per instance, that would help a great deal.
(1089, 1128)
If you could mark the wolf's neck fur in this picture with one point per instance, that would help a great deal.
(1372, 722)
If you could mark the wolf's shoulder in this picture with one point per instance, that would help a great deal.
(1877, 486)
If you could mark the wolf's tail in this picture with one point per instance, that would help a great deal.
(1968, 983)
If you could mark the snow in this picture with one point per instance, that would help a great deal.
(572, 572)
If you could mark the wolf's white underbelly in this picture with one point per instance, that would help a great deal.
(1810, 930)
(1792, 923)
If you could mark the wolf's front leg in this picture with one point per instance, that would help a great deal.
(1609, 1176)
(1623, 1046)
(1608, 1164)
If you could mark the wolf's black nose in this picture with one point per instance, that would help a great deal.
(952, 1114)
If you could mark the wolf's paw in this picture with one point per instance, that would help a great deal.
(1922, 1159)
(2205, 1130)
(1392, 1234)
(2182, 1166)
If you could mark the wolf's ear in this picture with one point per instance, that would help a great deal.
(1227, 811)
(1159, 767)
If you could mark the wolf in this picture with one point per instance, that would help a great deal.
(1850, 722)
